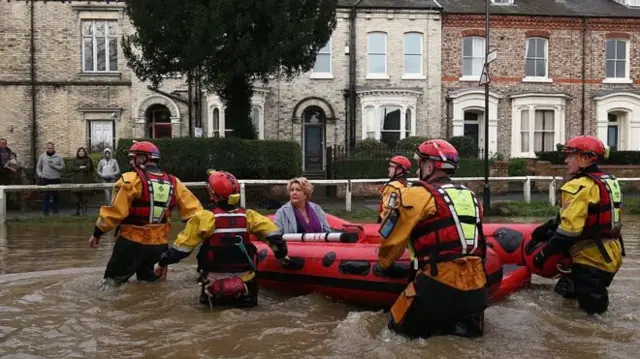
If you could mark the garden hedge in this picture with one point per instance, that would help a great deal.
(189, 158)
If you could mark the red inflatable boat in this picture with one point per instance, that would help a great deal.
(344, 265)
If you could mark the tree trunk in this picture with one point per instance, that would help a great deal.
(237, 96)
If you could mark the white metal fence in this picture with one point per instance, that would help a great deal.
(349, 183)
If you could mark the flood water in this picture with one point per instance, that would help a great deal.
(50, 307)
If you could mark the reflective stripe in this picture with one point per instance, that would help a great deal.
(182, 249)
(615, 197)
(230, 230)
(156, 213)
(230, 215)
(269, 234)
(465, 205)
(456, 220)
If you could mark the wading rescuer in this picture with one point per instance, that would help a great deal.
(587, 227)
(399, 167)
(440, 224)
(140, 208)
(226, 249)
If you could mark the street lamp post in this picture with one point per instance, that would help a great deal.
(486, 193)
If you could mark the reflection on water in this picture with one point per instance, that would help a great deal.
(50, 306)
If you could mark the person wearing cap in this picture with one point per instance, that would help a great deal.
(227, 258)
(587, 227)
(439, 222)
(140, 211)
(399, 168)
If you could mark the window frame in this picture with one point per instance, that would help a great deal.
(378, 75)
(626, 78)
(413, 75)
(529, 78)
(534, 102)
(471, 77)
(373, 123)
(89, 134)
(107, 37)
(324, 75)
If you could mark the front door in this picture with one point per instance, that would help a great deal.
(313, 138)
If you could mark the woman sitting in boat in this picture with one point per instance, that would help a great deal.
(300, 215)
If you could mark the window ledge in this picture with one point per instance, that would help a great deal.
(413, 77)
(100, 74)
(321, 76)
(470, 78)
(377, 77)
(537, 79)
(617, 81)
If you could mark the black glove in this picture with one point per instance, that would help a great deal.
(544, 232)
(539, 259)
(278, 246)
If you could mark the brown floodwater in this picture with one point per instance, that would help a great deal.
(51, 307)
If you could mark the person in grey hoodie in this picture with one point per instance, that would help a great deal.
(48, 170)
(108, 170)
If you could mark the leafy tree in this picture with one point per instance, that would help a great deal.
(234, 42)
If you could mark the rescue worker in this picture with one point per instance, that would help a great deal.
(399, 167)
(440, 224)
(587, 227)
(224, 232)
(140, 211)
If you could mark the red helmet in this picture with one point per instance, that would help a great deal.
(587, 145)
(401, 162)
(442, 152)
(144, 148)
(224, 185)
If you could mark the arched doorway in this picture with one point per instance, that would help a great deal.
(158, 121)
(313, 138)
(615, 130)
(474, 128)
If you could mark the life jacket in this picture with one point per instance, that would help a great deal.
(228, 249)
(454, 231)
(603, 219)
(158, 198)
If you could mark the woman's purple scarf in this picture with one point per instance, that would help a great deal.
(313, 226)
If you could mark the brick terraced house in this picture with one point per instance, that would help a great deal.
(383, 61)
(564, 67)
(392, 69)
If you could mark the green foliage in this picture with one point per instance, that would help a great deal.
(190, 158)
(467, 147)
(232, 43)
(410, 143)
(517, 167)
(370, 146)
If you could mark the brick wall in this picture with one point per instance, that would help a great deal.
(64, 92)
(509, 34)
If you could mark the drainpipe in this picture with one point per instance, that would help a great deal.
(584, 74)
(34, 129)
(190, 100)
(352, 77)
(447, 100)
(345, 95)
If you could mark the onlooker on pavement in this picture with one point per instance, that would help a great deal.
(48, 170)
(108, 170)
(5, 152)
